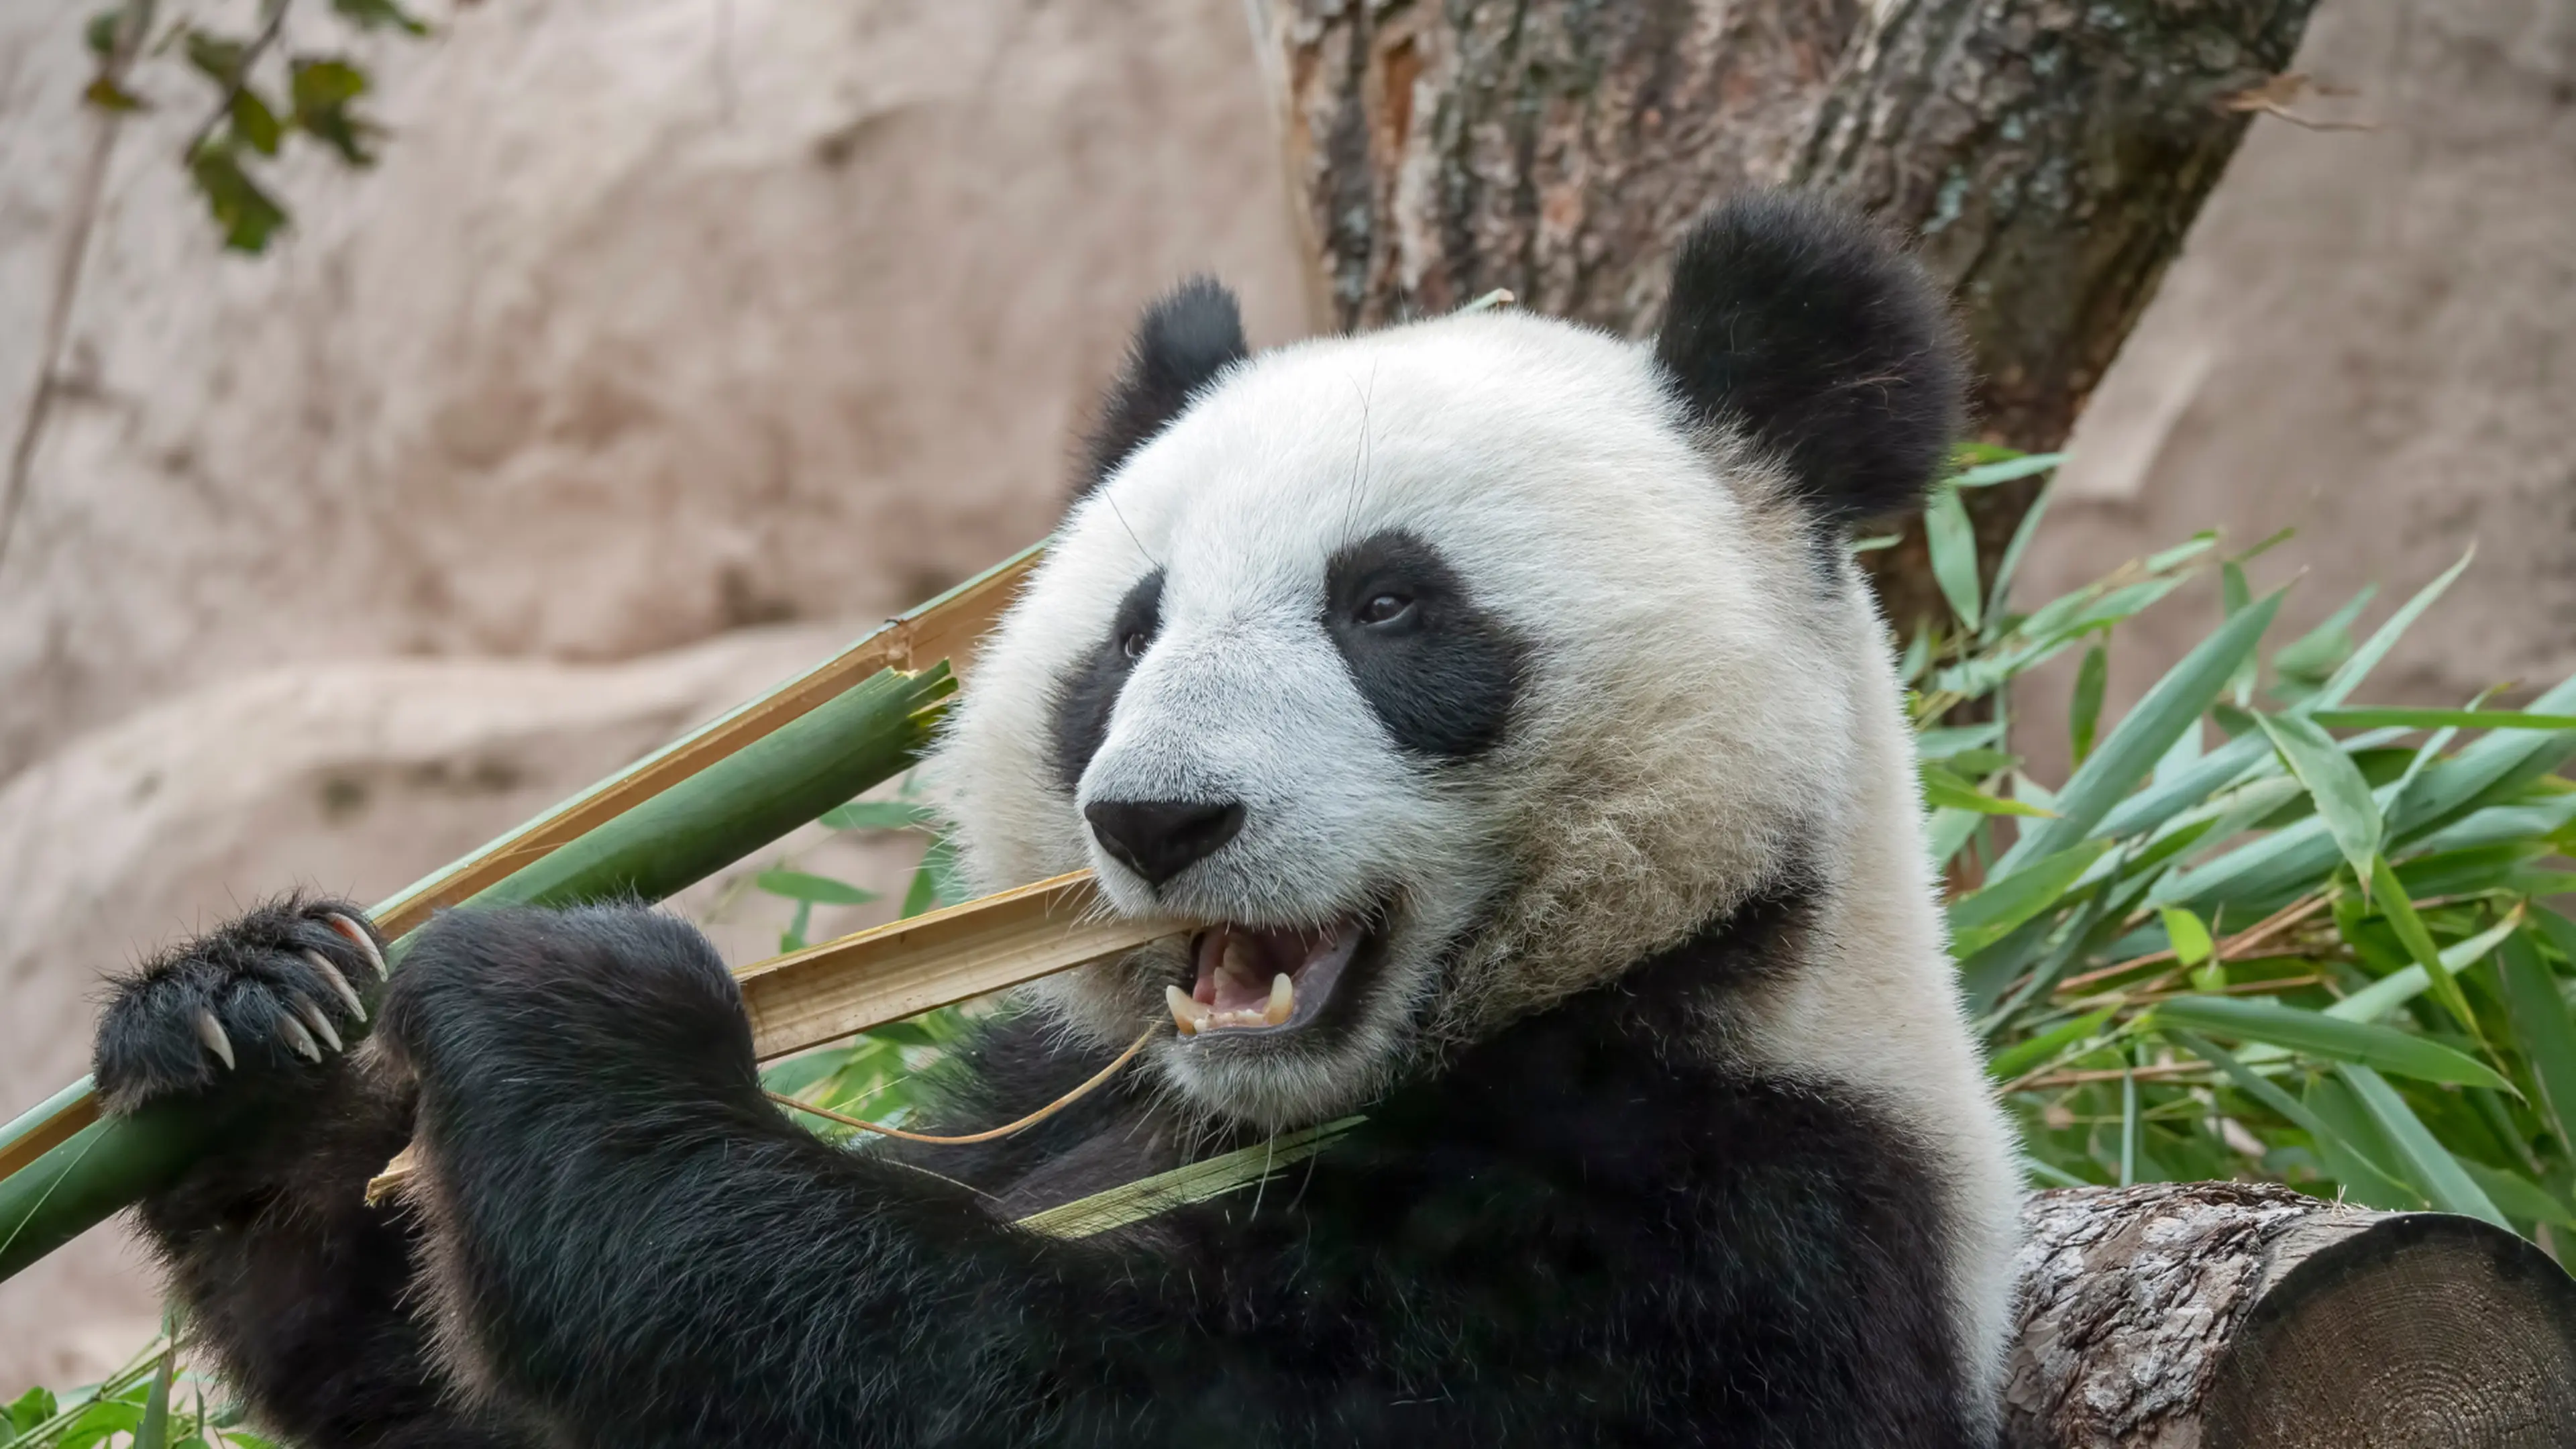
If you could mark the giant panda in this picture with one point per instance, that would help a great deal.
(1496, 702)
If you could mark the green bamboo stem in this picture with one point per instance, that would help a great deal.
(698, 826)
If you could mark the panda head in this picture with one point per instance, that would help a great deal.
(1434, 674)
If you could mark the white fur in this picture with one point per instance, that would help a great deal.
(1700, 704)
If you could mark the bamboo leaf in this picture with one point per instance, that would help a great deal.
(2030, 1052)
(2191, 943)
(2334, 782)
(1942, 742)
(2253, 1019)
(2401, 986)
(2009, 470)
(2352, 671)
(2312, 657)
(2399, 911)
(2084, 715)
(2517, 1196)
(2253, 1084)
(1946, 833)
(2428, 1161)
(1943, 790)
(154, 1431)
(2544, 1029)
(1983, 917)
(2235, 596)
(1136, 1201)
(2430, 719)
(805, 887)
(1953, 543)
(2143, 735)
(2353, 1155)
(877, 815)
(1999, 593)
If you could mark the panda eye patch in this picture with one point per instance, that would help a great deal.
(1440, 671)
(1088, 689)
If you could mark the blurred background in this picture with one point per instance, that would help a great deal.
(670, 343)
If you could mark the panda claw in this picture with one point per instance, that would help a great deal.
(211, 1032)
(300, 1039)
(315, 1018)
(358, 936)
(339, 983)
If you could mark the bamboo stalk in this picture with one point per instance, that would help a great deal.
(693, 815)
(904, 968)
(944, 628)
(840, 988)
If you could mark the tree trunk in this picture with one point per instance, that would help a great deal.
(2047, 154)
(2224, 1315)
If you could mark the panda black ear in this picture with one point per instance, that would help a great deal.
(1799, 323)
(1188, 336)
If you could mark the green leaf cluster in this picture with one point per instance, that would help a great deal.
(2258, 932)
(257, 99)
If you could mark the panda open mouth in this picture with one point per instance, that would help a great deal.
(1253, 979)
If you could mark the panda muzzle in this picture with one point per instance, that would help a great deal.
(1262, 979)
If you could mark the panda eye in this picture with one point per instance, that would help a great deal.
(1133, 642)
(1385, 609)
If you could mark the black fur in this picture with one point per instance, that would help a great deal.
(1584, 1231)
(1441, 674)
(1078, 715)
(1183, 341)
(1798, 322)
(249, 978)
(300, 1287)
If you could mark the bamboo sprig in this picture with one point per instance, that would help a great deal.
(1196, 1182)
(944, 628)
(690, 809)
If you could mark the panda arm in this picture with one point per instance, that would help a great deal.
(635, 1241)
(293, 1284)
(1547, 1247)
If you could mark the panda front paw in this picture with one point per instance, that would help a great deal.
(268, 1000)
(556, 1006)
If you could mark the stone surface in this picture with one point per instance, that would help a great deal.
(2371, 336)
(659, 317)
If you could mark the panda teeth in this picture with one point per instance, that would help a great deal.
(1193, 1016)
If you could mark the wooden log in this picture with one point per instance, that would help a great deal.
(2222, 1315)
(2048, 155)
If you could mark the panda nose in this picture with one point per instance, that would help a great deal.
(1158, 839)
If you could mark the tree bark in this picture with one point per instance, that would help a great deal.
(2223, 1315)
(2048, 155)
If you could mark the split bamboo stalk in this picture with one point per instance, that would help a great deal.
(874, 977)
(648, 830)
(841, 988)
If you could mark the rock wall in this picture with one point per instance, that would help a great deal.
(660, 317)
(692, 333)
(2371, 337)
